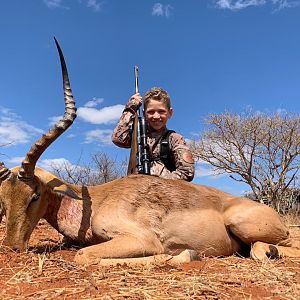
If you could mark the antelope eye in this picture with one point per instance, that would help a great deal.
(35, 197)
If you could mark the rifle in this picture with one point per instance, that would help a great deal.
(139, 161)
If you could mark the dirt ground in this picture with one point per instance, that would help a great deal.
(47, 271)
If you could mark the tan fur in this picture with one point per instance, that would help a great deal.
(138, 216)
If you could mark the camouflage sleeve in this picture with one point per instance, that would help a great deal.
(182, 158)
(122, 133)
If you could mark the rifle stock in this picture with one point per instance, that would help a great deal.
(134, 148)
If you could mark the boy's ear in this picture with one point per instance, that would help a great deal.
(170, 112)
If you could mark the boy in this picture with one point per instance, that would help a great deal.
(179, 163)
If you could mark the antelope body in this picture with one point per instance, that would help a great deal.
(138, 218)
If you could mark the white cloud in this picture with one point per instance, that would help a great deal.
(105, 115)
(203, 172)
(281, 111)
(168, 10)
(88, 107)
(157, 9)
(94, 4)
(281, 4)
(17, 160)
(56, 163)
(13, 130)
(64, 166)
(206, 170)
(236, 5)
(160, 10)
(94, 102)
(54, 120)
(55, 4)
(102, 136)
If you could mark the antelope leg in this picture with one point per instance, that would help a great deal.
(131, 251)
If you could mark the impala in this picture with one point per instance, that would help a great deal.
(138, 218)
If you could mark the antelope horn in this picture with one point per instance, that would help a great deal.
(4, 172)
(26, 171)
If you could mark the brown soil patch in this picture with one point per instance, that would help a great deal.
(47, 271)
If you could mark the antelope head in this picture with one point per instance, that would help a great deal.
(21, 192)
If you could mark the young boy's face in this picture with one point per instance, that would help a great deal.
(157, 114)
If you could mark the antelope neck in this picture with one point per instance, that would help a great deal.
(70, 217)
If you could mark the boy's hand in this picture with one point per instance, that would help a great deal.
(135, 102)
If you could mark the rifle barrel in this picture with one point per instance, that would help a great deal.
(136, 71)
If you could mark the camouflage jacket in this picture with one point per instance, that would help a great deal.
(180, 153)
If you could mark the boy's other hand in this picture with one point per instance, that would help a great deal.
(135, 101)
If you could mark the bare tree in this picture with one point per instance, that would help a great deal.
(259, 150)
(101, 169)
(106, 169)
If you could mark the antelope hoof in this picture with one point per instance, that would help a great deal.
(262, 251)
(185, 256)
(273, 252)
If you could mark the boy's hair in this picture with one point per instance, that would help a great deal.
(157, 94)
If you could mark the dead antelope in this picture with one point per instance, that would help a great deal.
(135, 219)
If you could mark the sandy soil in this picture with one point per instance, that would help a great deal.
(47, 271)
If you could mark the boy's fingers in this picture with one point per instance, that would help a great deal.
(135, 101)
(138, 98)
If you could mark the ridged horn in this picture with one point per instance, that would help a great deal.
(4, 171)
(26, 171)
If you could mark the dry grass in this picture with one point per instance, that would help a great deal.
(47, 272)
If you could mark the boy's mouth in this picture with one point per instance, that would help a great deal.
(156, 123)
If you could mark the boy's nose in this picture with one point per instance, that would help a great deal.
(156, 115)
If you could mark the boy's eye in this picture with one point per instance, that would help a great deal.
(150, 112)
(160, 112)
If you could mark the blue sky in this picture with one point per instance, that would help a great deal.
(210, 56)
